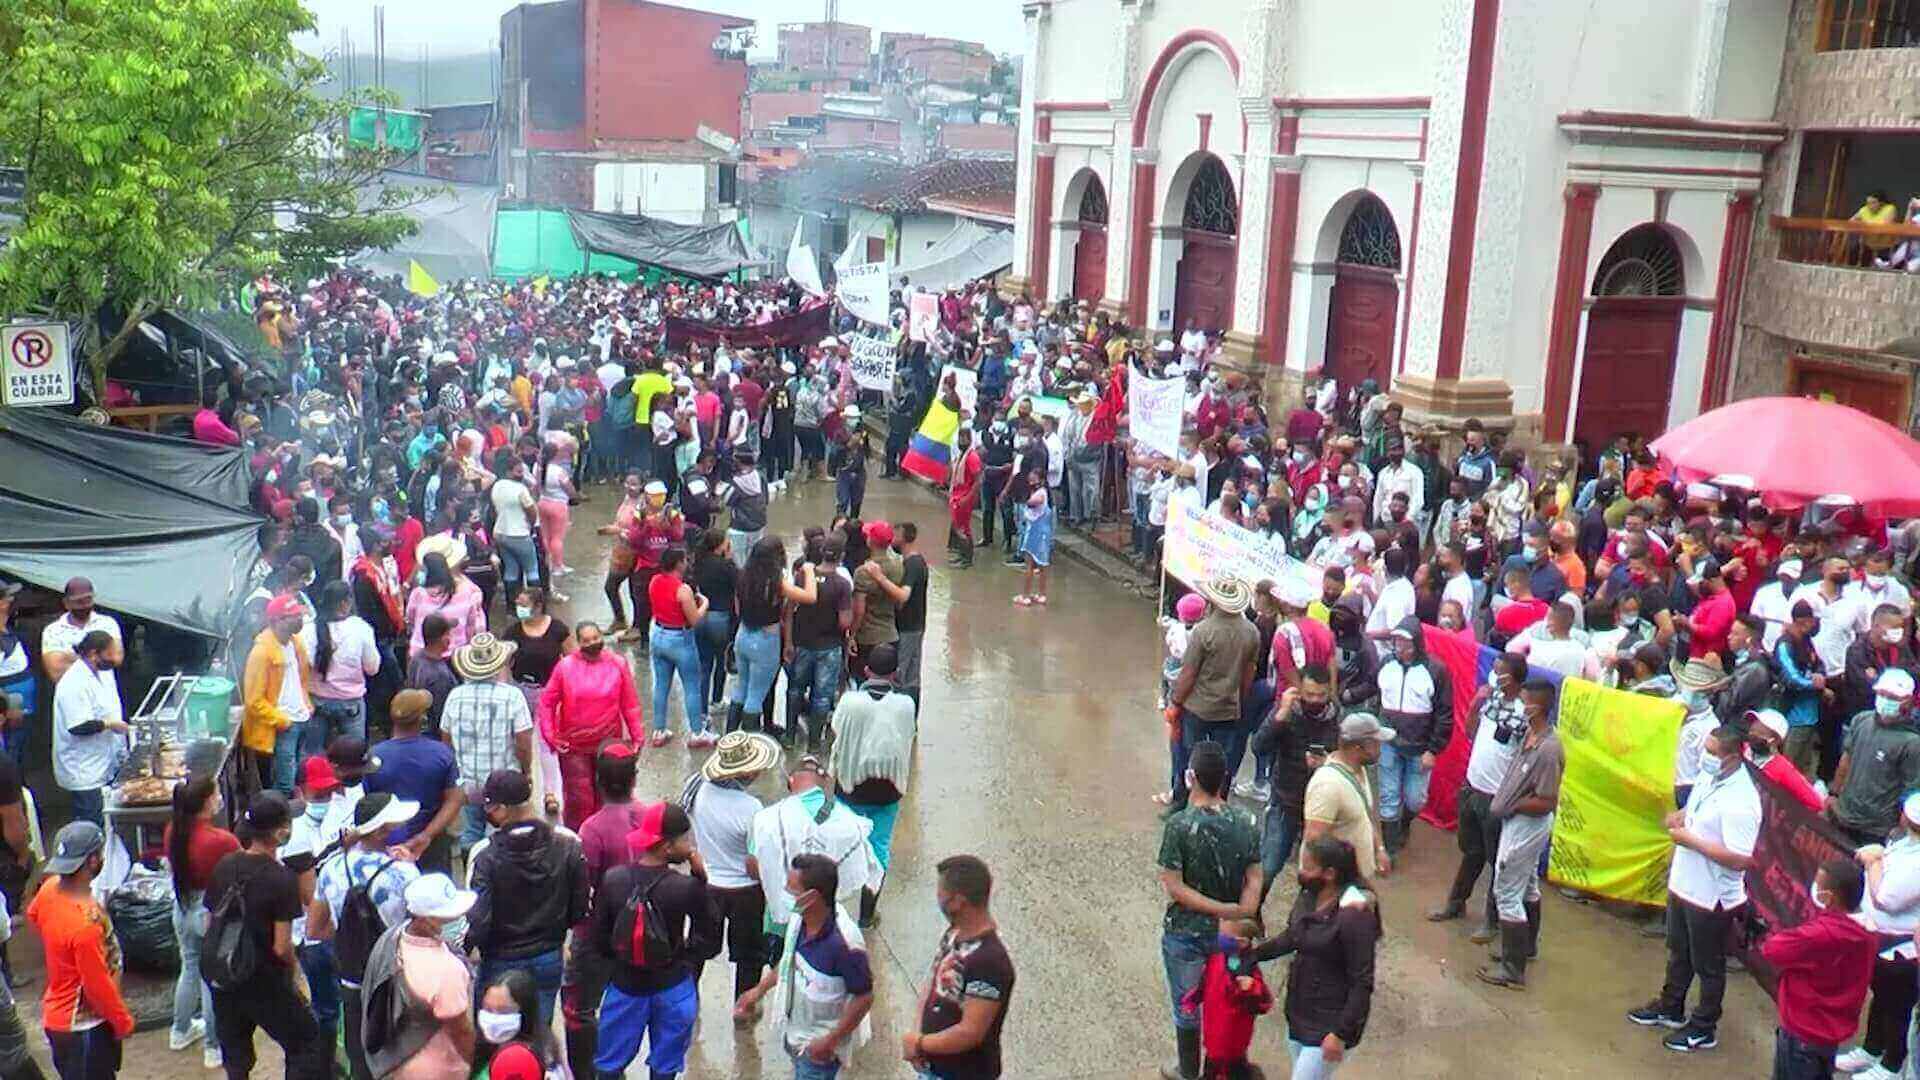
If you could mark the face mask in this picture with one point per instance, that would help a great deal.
(343, 520)
(1530, 554)
(1629, 621)
(1694, 700)
(1876, 581)
(1813, 892)
(498, 1027)
(1301, 456)
(523, 612)
(592, 652)
(452, 932)
(1895, 635)
(1887, 706)
(316, 810)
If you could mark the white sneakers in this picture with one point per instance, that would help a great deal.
(1876, 1072)
(701, 741)
(1856, 1060)
(195, 1032)
(210, 1057)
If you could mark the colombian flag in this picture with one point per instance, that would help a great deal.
(930, 452)
(1468, 665)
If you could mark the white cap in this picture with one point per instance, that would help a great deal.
(1791, 568)
(1772, 721)
(655, 487)
(1910, 809)
(1164, 346)
(434, 896)
(1894, 682)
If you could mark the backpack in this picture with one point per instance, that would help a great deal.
(229, 956)
(394, 1023)
(641, 937)
(359, 926)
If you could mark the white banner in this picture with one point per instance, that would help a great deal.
(36, 366)
(1202, 545)
(1155, 408)
(863, 291)
(872, 362)
(855, 243)
(801, 264)
(923, 316)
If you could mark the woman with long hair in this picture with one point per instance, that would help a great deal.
(620, 562)
(1333, 934)
(715, 577)
(676, 609)
(509, 1015)
(556, 494)
(765, 591)
(451, 596)
(194, 844)
(344, 657)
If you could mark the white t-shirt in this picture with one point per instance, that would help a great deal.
(62, 636)
(1487, 762)
(1725, 811)
(509, 507)
(1459, 589)
(85, 762)
(293, 699)
(1394, 607)
(1772, 606)
(723, 830)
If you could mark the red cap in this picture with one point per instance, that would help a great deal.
(285, 607)
(879, 534)
(316, 774)
(652, 824)
(514, 1062)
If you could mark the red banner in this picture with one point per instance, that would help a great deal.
(806, 327)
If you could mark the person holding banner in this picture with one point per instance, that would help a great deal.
(1524, 806)
(1714, 838)
(1822, 966)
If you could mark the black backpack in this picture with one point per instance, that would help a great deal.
(359, 926)
(229, 956)
(641, 937)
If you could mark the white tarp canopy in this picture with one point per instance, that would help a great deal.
(970, 251)
(455, 237)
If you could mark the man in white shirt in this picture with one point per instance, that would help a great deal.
(89, 729)
(1773, 603)
(1399, 477)
(1829, 599)
(1458, 587)
(722, 810)
(1877, 586)
(1714, 839)
(811, 820)
(62, 635)
(1396, 602)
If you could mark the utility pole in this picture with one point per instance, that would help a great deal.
(833, 38)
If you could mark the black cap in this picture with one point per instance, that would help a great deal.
(348, 754)
(507, 787)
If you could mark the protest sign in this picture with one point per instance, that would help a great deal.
(1154, 411)
(872, 362)
(966, 383)
(923, 315)
(863, 291)
(1202, 546)
(1793, 842)
(1609, 836)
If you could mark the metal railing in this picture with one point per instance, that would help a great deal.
(1838, 242)
(1868, 24)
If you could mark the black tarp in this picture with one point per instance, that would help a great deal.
(160, 525)
(702, 251)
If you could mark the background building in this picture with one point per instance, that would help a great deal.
(623, 104)
(829, 50)
(1820, 317)
(1529, 215)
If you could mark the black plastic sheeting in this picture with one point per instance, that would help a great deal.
(159, 525)
(702, 251)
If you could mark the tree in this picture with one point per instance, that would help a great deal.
(170, 146)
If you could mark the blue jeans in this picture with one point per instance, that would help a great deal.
(815, 679)
(663, 1020)
(191, 993)
(1403, 783)
(1141, 530)
(544, 967)
(756, 651)
(805, 1068)
(1279, 832)
(1193, 732)
(316, 959)
(674, 652)
(90, 805)
(472, 827)
(332, 719)
(518, 561)
(1185, 957)
(286, 756)
(712, 635)
(883, 815)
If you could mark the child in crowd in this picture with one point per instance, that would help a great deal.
(1187, 611)
(1036, 541)
(1231, 996)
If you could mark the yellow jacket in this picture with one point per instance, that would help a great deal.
(260, 689)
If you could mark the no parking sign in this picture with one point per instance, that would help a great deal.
(36, 367)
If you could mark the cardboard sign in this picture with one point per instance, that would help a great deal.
(863, 291)
(36, 365)
(966, 383)
(923, 316)
(873, 362)
(1155, 409)
(1202, 545)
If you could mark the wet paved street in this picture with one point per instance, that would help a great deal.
(1039, 748)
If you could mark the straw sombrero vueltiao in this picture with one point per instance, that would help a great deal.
(483, 657)
(739, 754)
(1229, 594)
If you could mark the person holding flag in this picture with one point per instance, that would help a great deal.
(930, 451)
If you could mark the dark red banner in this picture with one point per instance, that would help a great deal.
(803, 328)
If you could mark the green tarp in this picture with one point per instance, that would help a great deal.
(529, 242)
(405, 130)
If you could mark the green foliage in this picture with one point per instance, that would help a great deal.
(170, 145)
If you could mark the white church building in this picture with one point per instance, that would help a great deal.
(1537, 212)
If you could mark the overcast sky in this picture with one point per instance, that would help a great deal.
(449, 27)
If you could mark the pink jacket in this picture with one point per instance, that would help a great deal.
(463, 610)
(587, 702)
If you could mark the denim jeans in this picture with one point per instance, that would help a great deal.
(805, 1068)
(1279, 832)
(1141, 530)
(472, 826)
(519, 563)
(90, 805)
(1185, 957)
(1193, 732)
(330, 720)
(674, 652)
(191, 994)
(743, 542)
(1794, 1059)
(1403, 783)
(545, 968)
(756, 651)
(1307, 1062)
(712, 636)
(323, 979)
(286, 756)
(815, 678)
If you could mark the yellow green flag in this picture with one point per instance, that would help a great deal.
(1608, 835)
(540, 285)
(419, 282)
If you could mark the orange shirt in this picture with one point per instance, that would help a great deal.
(1573, 570)
(83, 963)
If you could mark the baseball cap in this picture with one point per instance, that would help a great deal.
(317, 775)
(380, 809)
(10, 589)
(1894, 682)
(282, 607)
(75, 842)
(1361, 726)
(1910, 809)
(1772, 721)
(506, 787)
(349, 756)
(879, 533)
(434, 896)
(514, 1062)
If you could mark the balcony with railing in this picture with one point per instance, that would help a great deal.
(1855, 201)
(1829, 242)
(1847, 25)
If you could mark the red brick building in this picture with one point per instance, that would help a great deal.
(803, 48)
(916, 58)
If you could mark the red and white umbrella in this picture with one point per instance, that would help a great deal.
(1797, 450)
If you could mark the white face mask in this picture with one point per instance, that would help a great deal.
(498, 1027)
(1813, 892)
(1894, 635)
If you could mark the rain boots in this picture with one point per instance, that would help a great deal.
(1187, 1043)
(1510, 970)
(869, 902)
(734, 715)
(1533, 934)
(1393, 833)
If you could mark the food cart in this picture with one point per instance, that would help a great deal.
(184, 726)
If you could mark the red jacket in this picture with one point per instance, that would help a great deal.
(1227, 1009)
(1825, 965)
